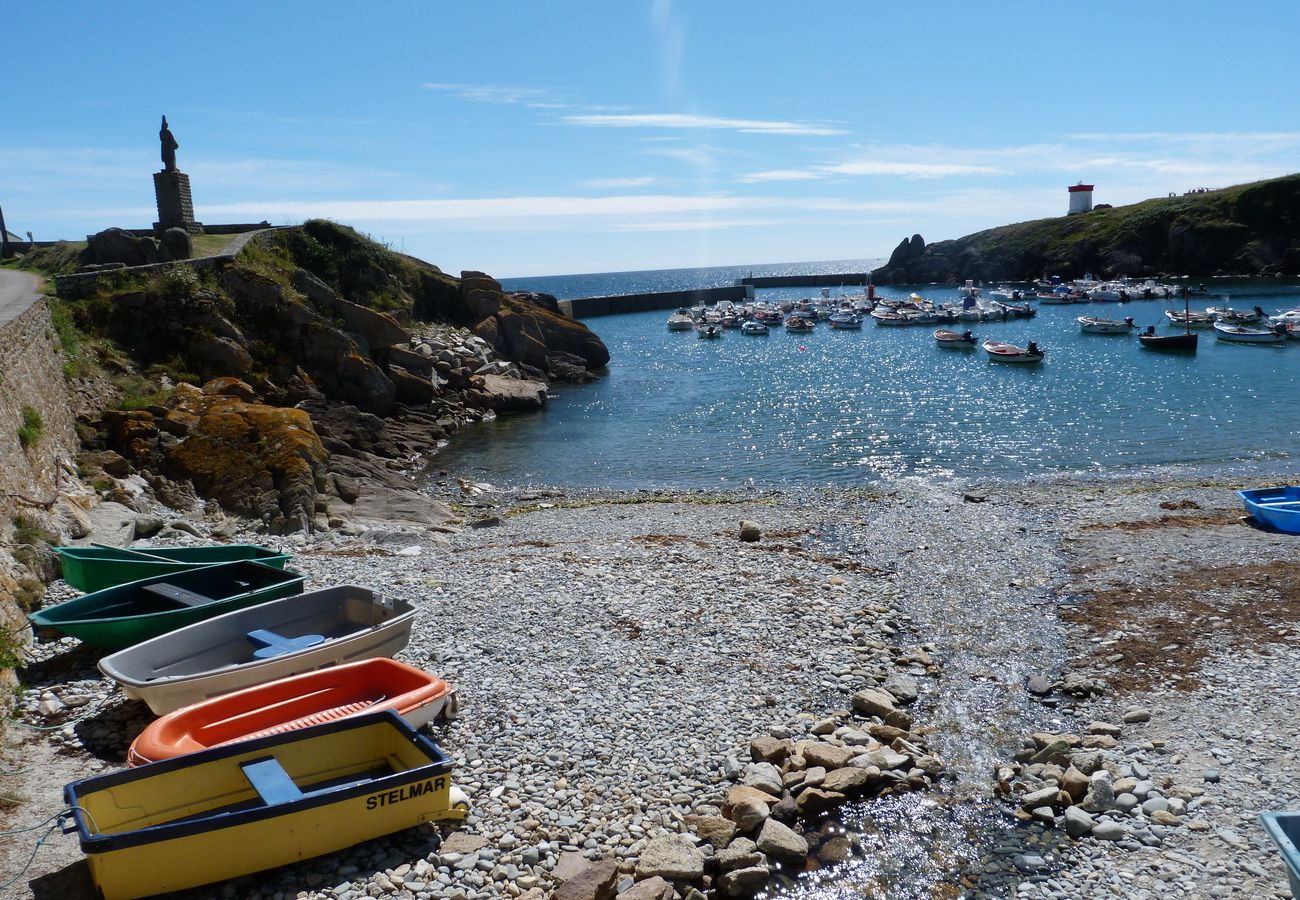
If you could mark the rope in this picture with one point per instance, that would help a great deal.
(53, 822)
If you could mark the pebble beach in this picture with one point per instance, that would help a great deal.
(616, 656)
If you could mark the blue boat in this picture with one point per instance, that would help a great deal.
(1284, 829)
(1278, 507)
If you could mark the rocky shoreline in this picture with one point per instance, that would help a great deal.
(651, 704)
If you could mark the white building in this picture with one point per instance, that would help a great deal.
(1080, 198)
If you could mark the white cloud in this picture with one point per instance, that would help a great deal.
(610, 183)
(687, 121)
(779, 175)
(509, 94)
(908, 169)
(700, 224)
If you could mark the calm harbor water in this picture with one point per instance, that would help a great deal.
(853, 407)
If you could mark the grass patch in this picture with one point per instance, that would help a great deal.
(210, 244)
(33, 426)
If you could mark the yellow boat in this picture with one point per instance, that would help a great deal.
(246, 807)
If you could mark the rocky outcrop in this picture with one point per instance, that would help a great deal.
(1251, 229)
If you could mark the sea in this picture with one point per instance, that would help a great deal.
(863, 407)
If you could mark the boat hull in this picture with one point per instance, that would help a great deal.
(1277, 507)
(92, 569)
(296, 702)
(1169, 343)
(1284, 829)
(214, 815)
(216, 656)
(120, 616)
(1009, 353)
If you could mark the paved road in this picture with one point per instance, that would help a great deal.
(18, 290)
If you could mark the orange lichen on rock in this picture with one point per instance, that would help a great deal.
(258, 460)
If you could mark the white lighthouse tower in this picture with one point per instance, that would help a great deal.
(1080, 198)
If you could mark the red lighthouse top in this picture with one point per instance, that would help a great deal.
(1075, 188)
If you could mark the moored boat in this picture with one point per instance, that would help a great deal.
(710, 332)
(95, 568)
(261, 643)
(298, 701)
(129, 613)
(1000, 351)
(1229, 316)
(1242, 334)
(845, 320)
(1189, 319)
(753, 327)
(798, 324)
(233, 810)
(1175, 343)
(1278, 507)
(954, 340)
(680, 321)
(1096, 325)
(1284, 829)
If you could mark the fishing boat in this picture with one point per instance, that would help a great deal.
(1229, 316)
(954, 340)
(709, 332)
(1000, 351)
(261, 643)
(1189, 319)
(1095, 325)
(241, 808)
(754, 327)
(1284, 829)
(129, 613)
(1175, 343)
(96, 567)
(680, 321)
(798, 324)
(299, 701)
(1243, 334)
(845, 320)
(1278, 507)
(1015, 310)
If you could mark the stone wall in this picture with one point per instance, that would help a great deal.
(83, 284)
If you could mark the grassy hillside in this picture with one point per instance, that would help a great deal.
(1251, 229)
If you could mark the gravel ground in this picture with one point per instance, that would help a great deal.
(615, 654)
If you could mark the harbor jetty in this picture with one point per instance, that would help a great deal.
(741, 290)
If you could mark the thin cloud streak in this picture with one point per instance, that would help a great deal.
(685, 121)
(609, 183)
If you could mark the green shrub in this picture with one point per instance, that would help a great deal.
(30, 431)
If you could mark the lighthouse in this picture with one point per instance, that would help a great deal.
(1080, 198)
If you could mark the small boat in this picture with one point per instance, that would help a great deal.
(1278, 507)
(848, 321)
(1284, 829)
(1189, 319)
(261, 643)
(1173, 343)
(680, 321)
(798, 324)
(129, 613)
(710, 332)
(1095, 325)
(95, 568)
(1016, 310)
(299, 701)
(754, 327)
(954, 340)
(1241, 334)
(1000, 351)
(1229, 316)
(245, 807)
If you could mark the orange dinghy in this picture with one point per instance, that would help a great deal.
(296, 702)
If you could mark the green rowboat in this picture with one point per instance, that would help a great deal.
(95, 568)
(120, 616)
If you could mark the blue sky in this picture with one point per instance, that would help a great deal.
(545, 138)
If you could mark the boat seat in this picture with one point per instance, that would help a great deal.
(273, 644)
(271, 781)
(176, 594)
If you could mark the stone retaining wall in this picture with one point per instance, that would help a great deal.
(83, 284)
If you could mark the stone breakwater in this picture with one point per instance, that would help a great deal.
(640, 687)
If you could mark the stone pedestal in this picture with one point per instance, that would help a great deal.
(175, 206)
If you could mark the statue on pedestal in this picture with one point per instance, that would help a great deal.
(169, 146)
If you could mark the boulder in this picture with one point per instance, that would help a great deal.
(1075, 783)
(741, 853)
(782, 843)
(215, 354)
(764, 776)
(902, 687)
(111, 524)
(256, 460)
(227, 386)
(1078, 822)
(715, 829)
(673, 857)
(558, 332)
(176, 244)
(381, 505)
(743, 882)
(411, 389)
(873, 702)
(1101, 793)
(650, 889)
(749, 531)
(766, 748)
(828, 756)
(849, 780)
(523, 339)
(501, 394)
(748, 814)
(813, 802)
(113, 245)
(595, 881)
(745, 792)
